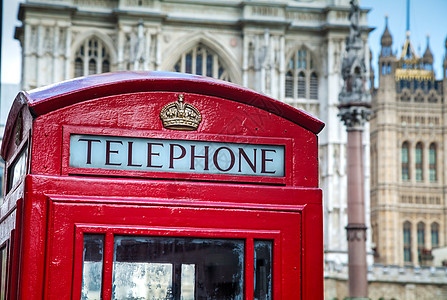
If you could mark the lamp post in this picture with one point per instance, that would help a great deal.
(354, 111)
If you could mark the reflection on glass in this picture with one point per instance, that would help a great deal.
(177, 268)
(263, 269)
(142, 280)
(188, 281)
(3, 254)
(92, 267)
(18, 168)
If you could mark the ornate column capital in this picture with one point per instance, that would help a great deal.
(355, 114)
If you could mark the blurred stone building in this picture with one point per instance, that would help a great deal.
(408, 140)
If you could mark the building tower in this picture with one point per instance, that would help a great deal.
(407, 146)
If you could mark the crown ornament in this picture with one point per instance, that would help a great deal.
(179, 115)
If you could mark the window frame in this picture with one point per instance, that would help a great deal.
(202, 57)
(4, 280)
(405, 161)
(91, 57)
(432, 163)
(419, 162)
(407, 251)
(301, 76)
(434, 232)
(110, 231)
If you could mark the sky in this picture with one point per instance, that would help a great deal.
(426, 17)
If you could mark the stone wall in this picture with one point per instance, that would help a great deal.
(389, 282)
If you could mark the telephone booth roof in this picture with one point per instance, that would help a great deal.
(50, 98)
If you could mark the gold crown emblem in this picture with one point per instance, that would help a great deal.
(180, 115)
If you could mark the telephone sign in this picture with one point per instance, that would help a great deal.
(124, 153)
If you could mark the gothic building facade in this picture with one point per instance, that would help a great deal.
(408, 140)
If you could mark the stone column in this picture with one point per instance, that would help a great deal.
(55, 52)
(354, 117)
(39, 57)
(120, 57)
(245, 44)
(354, 112)
(68, 55)
(282, 68)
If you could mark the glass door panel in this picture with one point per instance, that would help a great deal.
(177, 268)
(92, 267)
(263, 269)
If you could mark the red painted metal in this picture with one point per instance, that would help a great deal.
(60, 202)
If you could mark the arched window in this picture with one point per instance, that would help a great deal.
(383, 69)
(301, 76)
(201, 60)
(405, 161)
(388, 68)
(421, 238)
(407, 241)
(434, 235)
(432, 163)
(418, 162)
(92, 57)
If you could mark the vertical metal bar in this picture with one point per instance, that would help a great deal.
(108, 267)
(249, 268)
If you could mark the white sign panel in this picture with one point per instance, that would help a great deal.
(184, 156)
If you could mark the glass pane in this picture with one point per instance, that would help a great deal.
(434, 239)
(91, 66)
(313, 86)
(105, 66)
(199, 64)
(432, 174)
(188, 63)
(289, 86)
(432, 154)
(92, 267)
(301, 85)
(421, 234)
(137, 280)
(209, 65)
(188, 281)
(418, 154)
(291, 64)
(407, 254)
(177, 268)
(79, 67)
(263, 270)
(405, 153)
(4, 260)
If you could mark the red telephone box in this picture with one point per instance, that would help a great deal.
(159, 186)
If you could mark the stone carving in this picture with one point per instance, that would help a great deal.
(139, 46)
(356, 232)
(354, 73)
